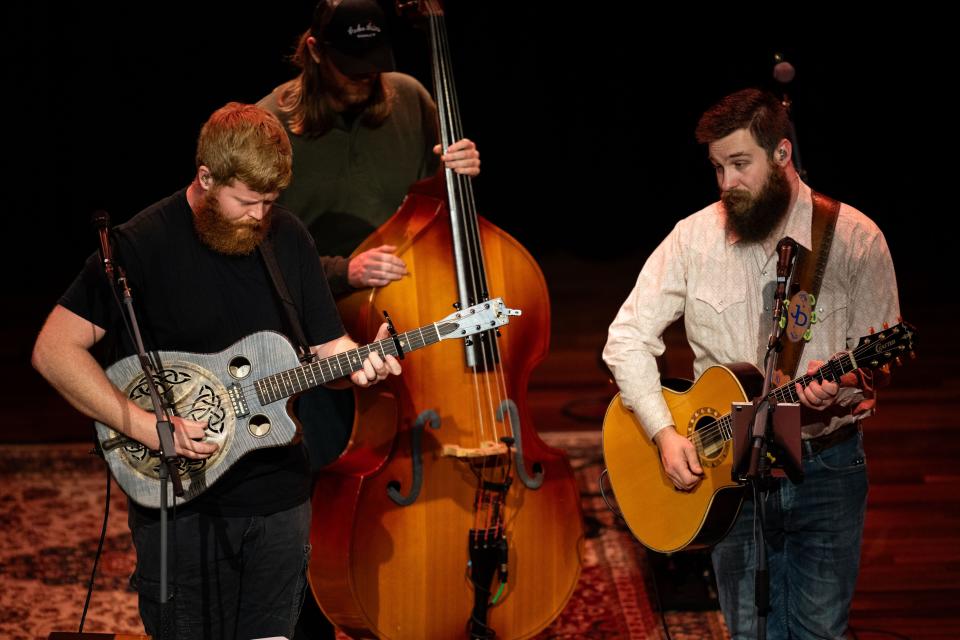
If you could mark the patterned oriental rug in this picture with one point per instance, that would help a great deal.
(51, 511)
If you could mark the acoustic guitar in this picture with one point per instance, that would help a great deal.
(665, 519)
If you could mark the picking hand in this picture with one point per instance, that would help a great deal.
(188, 439)
(679, 459)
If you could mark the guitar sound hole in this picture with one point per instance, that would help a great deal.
(239, 367)
(711, 441)
(259, 426)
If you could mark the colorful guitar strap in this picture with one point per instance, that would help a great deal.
(802, 303)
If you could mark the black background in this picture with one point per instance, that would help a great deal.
(584, 114)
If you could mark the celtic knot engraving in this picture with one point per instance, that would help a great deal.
(166, 379)
(192, 391)
(149, 460)
(136, 450)
(208, 406)
(188, 466)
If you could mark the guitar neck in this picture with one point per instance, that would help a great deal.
(872, 352)
(287, 383)
(831, 371)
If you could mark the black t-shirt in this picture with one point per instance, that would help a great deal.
(190, 298)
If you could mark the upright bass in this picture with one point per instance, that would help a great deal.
(447, 516)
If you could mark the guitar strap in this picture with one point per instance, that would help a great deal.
(810, 268)
(286, 300)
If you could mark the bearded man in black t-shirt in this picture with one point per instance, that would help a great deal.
(239, 551)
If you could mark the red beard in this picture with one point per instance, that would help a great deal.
(229, 237)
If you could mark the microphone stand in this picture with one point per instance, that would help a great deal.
(169, 460)
(765, 423)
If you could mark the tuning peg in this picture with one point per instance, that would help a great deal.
(870, 330)
(886, 325)
(899, 361)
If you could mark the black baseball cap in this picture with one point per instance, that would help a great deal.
(355, 37)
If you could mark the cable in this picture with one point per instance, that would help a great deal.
(614, 510)
(96, 557)
(656, 597)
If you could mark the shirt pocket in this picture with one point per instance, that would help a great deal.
(715, 293)
(832, 313)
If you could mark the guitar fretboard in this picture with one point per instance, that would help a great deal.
(831, 371)
(872, 352)
(286, 383)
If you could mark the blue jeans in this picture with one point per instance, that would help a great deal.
(229, 577)
(813, 532)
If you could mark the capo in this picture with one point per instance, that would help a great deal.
(393, 334)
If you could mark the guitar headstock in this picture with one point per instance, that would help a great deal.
(891, 344)
(476, 319)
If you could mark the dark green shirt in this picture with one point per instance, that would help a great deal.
(350, 180)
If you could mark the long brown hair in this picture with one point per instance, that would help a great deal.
(306, 101)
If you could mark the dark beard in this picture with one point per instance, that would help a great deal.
(227, 236)
(341, 101)
(753, 218)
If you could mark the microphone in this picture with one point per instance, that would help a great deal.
(787, 252)
(786, 259)
(101, 222)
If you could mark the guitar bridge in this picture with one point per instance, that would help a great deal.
(237, 399)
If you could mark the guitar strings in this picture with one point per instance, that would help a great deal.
(718, 432)
(383, 347)
(487, 375)
(494, 416)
